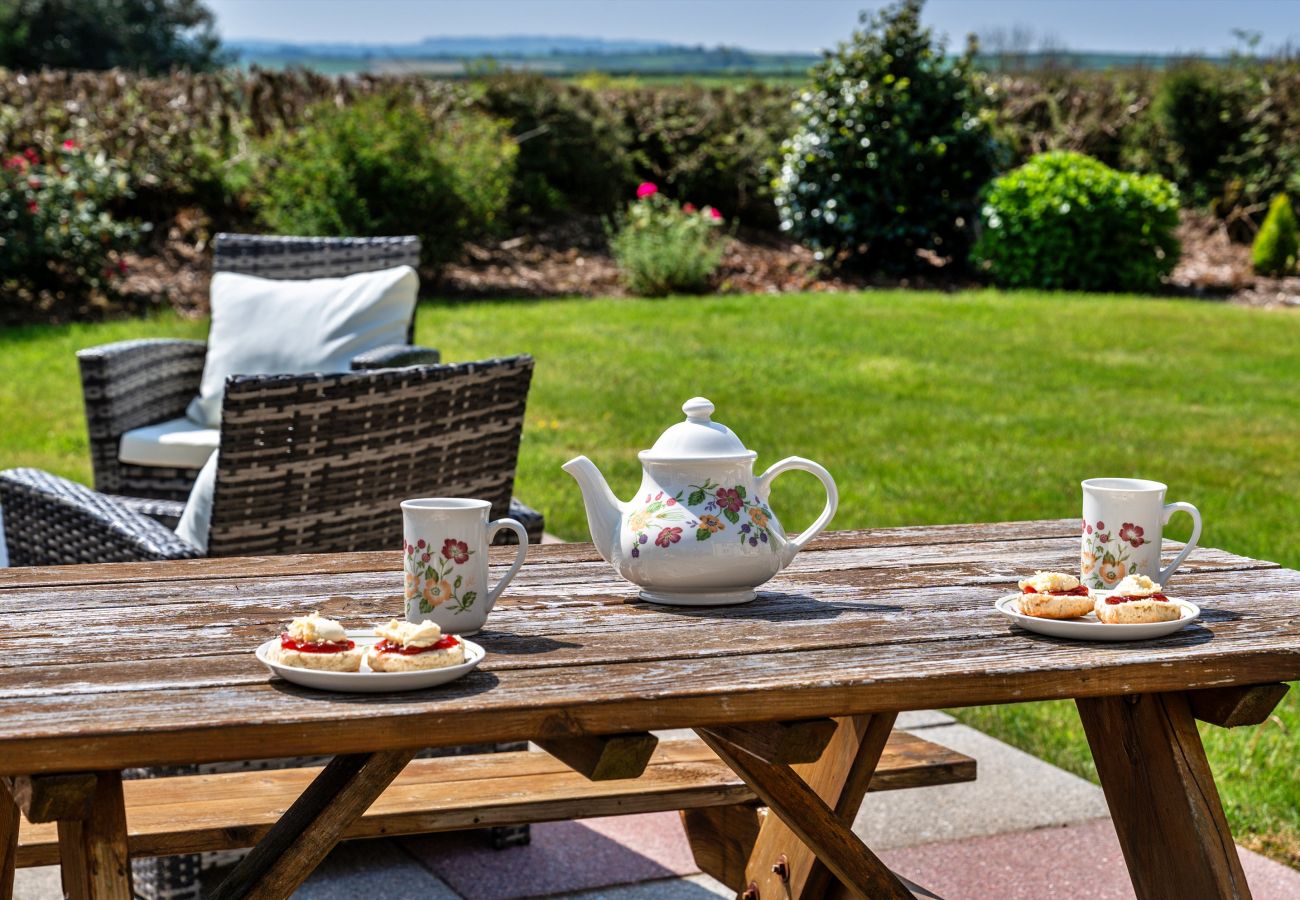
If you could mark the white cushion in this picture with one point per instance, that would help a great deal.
(263, 326)
(197, 515)
(176, 443)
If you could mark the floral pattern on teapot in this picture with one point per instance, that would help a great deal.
(703, 511)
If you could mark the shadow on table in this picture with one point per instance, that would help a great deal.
(508, 643)
(774, 606)
(1191, 636)
(476, 682)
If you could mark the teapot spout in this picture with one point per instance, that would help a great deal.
(604, 511)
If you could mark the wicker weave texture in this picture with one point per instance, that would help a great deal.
(50, 520)
(311, 257)
(131, 384)
(318, 463)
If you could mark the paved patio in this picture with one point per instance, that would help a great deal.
(1024, 829)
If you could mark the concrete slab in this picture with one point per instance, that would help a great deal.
(1013, 792)
(922, 718)
(563, 857)
(373, 868)
(40, 883)
(1079, 860)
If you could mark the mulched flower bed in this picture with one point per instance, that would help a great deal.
(570, 259)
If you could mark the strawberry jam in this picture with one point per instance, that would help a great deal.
(1112, 600)
(288, 643)
(446, 643)
(1080, 591)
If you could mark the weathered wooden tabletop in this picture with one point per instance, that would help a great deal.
(114, 666)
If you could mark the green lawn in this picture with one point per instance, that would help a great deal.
(927, 408)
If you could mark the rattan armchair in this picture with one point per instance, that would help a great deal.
(132, 384)
(308, 464)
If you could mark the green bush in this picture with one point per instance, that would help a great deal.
(386, 165)
(1275, 248)
(572, 148)
(663, 247)
(1064, 221)
(1201, 110)
(709, 144)
(59, 246)
(891, 149)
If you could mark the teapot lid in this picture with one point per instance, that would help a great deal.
(698, 438)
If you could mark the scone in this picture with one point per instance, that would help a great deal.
(315, 642)
(407, 647)
(1054, 595)
(1137, 600)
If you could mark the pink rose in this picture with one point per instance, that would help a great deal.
(713, 213)
(645, 189)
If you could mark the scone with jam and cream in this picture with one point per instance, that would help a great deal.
(1054, 595)
(315, 642)
(406, 647)
(1136, 600)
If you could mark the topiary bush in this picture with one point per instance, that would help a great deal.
(663, 247)
(59, 245)
(1276, 246)
(891, 149)
(386, 165)
(1064, 221)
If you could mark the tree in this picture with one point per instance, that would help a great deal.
(891, 150)
(152, 36)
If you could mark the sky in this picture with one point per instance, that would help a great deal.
(1134, 26)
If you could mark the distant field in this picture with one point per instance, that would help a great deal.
(713, 65)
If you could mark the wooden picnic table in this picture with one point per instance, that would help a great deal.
(103, 668)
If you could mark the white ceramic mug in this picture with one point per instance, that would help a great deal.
(445, 560)
(1123, 526)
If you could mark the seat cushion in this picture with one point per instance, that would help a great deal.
(176, 443)
(265, 326)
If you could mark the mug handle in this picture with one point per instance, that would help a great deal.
(832, 500)
(492, 528)
(1169, 510)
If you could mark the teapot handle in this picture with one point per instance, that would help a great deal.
(832, 499)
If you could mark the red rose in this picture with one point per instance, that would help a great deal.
(456, 551)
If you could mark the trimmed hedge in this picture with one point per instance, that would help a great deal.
(1065, 221)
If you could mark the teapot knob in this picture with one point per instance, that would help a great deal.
(698, 409)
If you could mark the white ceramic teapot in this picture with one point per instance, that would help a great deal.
(699, 531)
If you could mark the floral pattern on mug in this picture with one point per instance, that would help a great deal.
(431, 576)
(663, 518)
(1107, 556)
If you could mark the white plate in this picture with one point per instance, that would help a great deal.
(367, 681)
(1087, 628)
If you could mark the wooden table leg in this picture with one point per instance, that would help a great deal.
(311, 827)
(807, 835)
(8, 840)
(93, 855)
(1162, 797)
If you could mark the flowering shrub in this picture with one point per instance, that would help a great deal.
(1064, 221)
(663, 247)
(58, 242)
